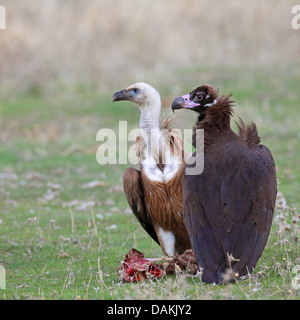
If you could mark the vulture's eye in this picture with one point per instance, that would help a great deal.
(135, 90)
(199, 97)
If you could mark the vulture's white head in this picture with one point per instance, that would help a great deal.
(148, 100)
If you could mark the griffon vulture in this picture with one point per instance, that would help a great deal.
(154, 193)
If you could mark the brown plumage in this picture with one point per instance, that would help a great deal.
(155, 192)
(228, 208)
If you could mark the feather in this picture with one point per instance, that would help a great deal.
(154, 193)
(228, 208)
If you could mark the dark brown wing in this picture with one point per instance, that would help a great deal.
(248, 133)
(228, 209)
(135, 198)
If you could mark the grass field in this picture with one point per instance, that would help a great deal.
(63, 238)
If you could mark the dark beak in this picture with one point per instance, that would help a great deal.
(120, 95)
(183, 102)
(177, 103)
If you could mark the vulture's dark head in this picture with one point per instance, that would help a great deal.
(198, 100)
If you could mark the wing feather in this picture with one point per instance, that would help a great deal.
(135, 198)
(228, 209)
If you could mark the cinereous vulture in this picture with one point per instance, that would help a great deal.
(228, 208)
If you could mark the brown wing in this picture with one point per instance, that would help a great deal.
(228, 209)
(135, 198)
(248, 133)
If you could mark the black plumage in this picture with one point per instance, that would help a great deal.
(228, 208)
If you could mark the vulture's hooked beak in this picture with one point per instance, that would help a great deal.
(120, 95)
(183, 102)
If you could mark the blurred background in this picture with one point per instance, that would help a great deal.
(61, 62)
(112, 43)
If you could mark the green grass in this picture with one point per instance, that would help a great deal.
(52, 251)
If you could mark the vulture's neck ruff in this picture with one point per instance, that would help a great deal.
(217, 116)
(213, 112)
(215, 121)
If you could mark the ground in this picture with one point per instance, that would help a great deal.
(64, 221)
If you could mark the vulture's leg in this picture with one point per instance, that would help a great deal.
(135, 197)
(166, 240)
